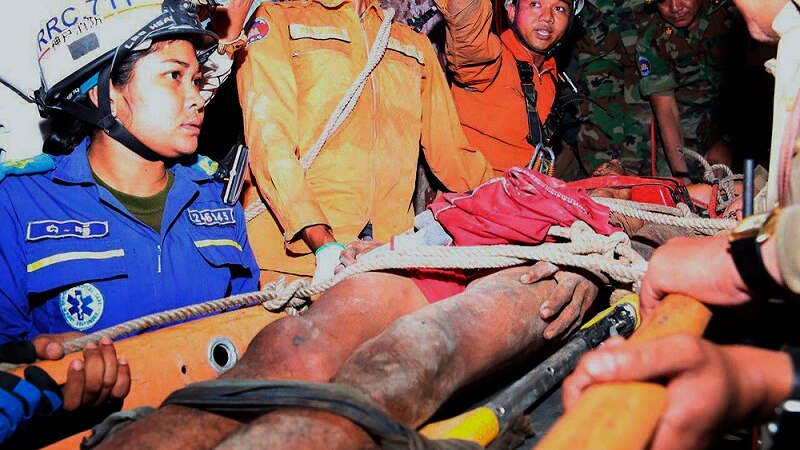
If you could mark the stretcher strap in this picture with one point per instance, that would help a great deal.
(246, 399)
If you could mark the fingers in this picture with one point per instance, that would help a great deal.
(123, 383)
(538, 271)
(665, 357)
(73, 388)
(338, 268)
(561, 308)
(572, 314)
(348, 256)
(94, 367)
(109, 378)
(97, 379)
(355, 250)
(47, 348)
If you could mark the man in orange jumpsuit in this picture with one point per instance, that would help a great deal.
(492, 101)
(300, 59)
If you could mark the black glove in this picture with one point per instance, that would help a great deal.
(37, 395)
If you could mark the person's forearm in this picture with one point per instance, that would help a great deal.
(315, 236)
(766, 379)
(669, 123)
(228, 21)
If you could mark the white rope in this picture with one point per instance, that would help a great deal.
(345, 106)
(710, 176)
(699, 224)
(609, 255)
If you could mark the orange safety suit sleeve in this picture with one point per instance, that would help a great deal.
(473, 50)
(268, 96)
(454, 162)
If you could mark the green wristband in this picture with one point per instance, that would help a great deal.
(329, 244)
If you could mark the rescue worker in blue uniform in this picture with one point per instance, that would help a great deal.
(127, 221)
(74, 258)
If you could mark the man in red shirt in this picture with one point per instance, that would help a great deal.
(505, 86)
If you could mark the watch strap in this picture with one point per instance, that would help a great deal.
(746, 253)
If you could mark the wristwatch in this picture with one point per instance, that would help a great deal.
(229, 48)
(745, 242)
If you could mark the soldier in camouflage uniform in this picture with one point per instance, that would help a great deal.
(605, 66)
(682, 57)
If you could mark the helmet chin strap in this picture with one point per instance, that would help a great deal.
(114, 127)
(546, 53)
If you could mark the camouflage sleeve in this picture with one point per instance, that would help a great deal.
(654, 68)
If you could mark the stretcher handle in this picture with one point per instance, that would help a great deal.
(624, 415)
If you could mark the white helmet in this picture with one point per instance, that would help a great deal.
(80, 41)
(577, 7)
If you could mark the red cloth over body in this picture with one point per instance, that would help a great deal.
(518, 209)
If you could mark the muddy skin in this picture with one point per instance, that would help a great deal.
(651, 236)
(420, 361)
(311, 347)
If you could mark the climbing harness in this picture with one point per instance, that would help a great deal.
(418, 23)
(543, 133)
(543, 161)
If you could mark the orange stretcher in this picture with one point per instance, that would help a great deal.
(171, 358)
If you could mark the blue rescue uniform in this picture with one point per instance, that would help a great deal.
(72, 258)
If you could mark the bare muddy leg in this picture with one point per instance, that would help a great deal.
(311, 347)
(421, 360)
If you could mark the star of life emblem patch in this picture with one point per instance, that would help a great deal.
(259, 29)
(644, 66)
(81, 306)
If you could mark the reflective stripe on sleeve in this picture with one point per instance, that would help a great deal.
(72, 256)
(217, 243)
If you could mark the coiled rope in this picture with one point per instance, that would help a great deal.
(726, 194)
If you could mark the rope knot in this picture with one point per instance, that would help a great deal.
(284, 296)
(619, 243)
(582, 234)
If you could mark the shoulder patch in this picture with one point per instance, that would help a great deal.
(301, 31)
(644, 66)
(406, 49)
(38, 164)
(259, 29)
(205, 165)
